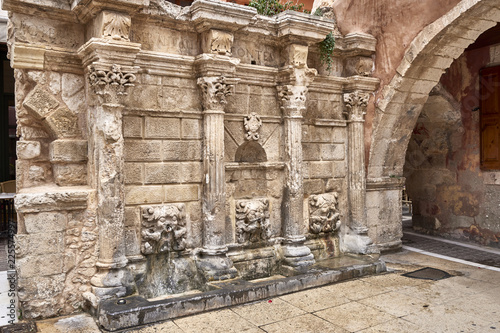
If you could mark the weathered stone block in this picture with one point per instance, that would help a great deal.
(43, 243)
(135, 195)
(63, 123)
(161, 173)
(40, 102)
(40, 265)
(132, 242)
(181, 193)
(138, 150)
(44, 222)
(44, 287)
(68, 151)
(332, 152)
(182, 150)
(339, 169)
(339, 134)
(313, 186)
(310, 151)
(334, 185)
(134, 173)
(28, 149)
(70, 174)
(191, 172)
(132, 216)
(145, 97)
(169, 128)
(191, 128)
(132, 127)
(320, 169)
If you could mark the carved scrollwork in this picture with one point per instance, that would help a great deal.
(356, 103)
(215, 91)
(252, 124)
(252, 220)
(163, 228)
(324, 214)
(112, 83)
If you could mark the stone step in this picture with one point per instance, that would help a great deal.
(134, 311)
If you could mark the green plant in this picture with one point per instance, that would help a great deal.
(273, 7)
(326, 51)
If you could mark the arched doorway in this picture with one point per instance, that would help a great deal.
(428, 56)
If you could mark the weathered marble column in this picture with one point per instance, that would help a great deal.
(293, 103)
(109, 69)
(214, 263)
(355, 237)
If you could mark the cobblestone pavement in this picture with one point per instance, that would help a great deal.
(469, 301)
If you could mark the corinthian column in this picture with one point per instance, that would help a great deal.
(293, 104)
(355, 237)
(214, 263)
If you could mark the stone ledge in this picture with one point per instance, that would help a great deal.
(45, 198)
(139, 311)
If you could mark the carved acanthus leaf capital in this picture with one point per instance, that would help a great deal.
(112, 84)
(215, 90)
(356, 103)
(292, 97)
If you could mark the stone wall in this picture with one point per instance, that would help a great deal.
(163, 147)
(451, 195)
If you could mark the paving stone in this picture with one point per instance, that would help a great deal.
(303, 324)
(217, 321)
(354, 316)
(315, 299)
(266, 312)
(398, 305)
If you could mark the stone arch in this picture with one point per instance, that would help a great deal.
(425, 60)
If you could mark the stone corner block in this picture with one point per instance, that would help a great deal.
(28, 149)
(68, 151)
(40, 102)
(63, 123)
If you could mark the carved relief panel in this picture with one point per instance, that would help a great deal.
(324, 213)
(252, 220)
(163, 228)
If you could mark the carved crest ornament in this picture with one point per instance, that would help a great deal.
(116, 26)
(324, 213)
(163, 228)
(252, 220)
(252, 124)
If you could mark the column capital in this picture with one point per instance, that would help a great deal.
(356, 103)
(215, 90)
(111, 84)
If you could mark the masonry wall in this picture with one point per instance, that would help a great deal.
(451, 195)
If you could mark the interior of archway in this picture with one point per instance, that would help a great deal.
(451, 194)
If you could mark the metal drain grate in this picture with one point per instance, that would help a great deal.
(428, 273)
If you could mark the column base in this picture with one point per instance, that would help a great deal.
(110, 283)
(296, 255)
(216, 267)
(358, 242)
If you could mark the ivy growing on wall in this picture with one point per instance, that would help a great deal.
(326, 51)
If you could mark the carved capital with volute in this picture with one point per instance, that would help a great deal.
(215, 91)
(356, 103)
(110, 84)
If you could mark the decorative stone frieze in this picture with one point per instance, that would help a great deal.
(110, 84)
(252, 220)
(252, 124)
(324, 213)
(115, 25)
(163, 228)
(356, 103)
(215, 91)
